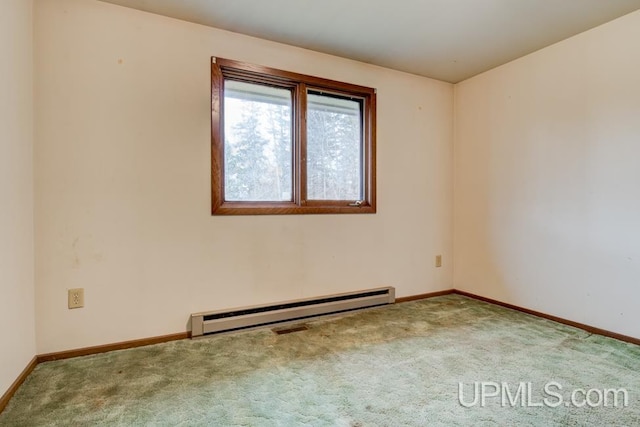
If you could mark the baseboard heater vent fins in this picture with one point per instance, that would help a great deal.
(248, 317)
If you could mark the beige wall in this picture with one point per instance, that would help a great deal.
(123, 182)
(547, 179)
(547, 199)
(17, 329)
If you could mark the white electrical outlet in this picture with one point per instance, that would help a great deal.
(76, 298)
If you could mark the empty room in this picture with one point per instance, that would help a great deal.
(332, 213)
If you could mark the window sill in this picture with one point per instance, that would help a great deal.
(267, 208)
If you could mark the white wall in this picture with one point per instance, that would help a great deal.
(547, 180)
(123, 182)
(17, 325)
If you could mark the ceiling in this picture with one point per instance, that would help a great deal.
(449, 40)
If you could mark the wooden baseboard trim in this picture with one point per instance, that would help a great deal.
(588, 328)
(4, 400)
(424, 296)
(111, 347)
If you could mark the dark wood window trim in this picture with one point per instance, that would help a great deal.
(298, 83)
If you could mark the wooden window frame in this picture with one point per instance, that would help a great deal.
(298, 83)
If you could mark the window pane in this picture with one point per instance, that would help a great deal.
(334, 148)
(257, 142)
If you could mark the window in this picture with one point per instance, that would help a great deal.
(286, 143)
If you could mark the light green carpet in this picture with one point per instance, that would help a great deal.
(394, 366)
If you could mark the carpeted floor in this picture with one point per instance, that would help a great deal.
(402, 365)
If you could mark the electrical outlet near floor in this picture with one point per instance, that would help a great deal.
(76, 298)
(438, 260)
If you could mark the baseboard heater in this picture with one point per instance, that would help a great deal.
(248, 317)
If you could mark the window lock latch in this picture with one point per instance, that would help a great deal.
(357, 203)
